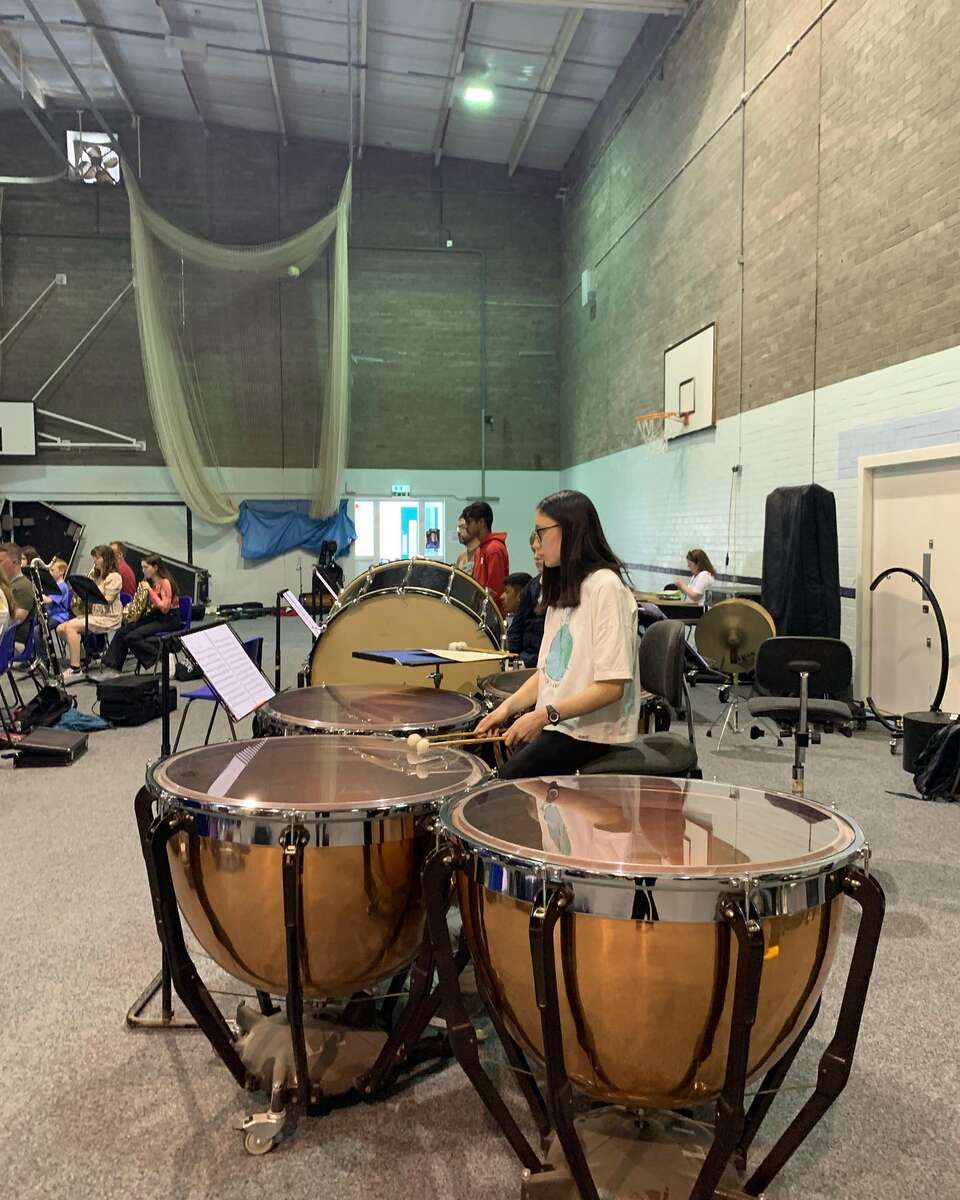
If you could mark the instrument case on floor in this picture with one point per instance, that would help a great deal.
(132, 699)
(50, 748)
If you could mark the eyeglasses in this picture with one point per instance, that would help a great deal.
(540, 530)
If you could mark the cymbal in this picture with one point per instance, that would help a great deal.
(730, 634)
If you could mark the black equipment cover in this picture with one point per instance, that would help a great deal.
(50, 748)
(132, 699)
(937, 774)
(801, 565)
(46, 708)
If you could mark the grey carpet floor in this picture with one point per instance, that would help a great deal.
(90, 1109)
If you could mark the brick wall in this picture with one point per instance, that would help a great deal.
(261, 349)
(851, 206)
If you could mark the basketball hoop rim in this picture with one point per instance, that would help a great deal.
(662, 416)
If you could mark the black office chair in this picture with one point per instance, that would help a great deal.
(662, 650)
(801, 678)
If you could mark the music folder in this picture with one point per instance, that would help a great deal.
(228, 669)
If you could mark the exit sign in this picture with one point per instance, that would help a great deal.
(401, 489)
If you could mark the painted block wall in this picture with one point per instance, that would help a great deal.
(217, 548)
(657, 503)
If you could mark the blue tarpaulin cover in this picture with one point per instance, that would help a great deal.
(271, 527)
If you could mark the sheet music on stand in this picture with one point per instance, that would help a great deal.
(301, 612)
(228, 669)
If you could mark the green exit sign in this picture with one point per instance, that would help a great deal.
(401, 489)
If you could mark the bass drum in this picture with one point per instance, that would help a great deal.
(412, 605)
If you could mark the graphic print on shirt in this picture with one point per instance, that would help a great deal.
(559, 655)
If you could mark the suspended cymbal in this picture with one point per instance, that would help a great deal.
(730, 633)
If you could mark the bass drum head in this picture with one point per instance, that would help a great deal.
(409, 621)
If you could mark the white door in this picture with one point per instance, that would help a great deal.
(916, 512)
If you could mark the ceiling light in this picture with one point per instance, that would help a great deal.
(478, 95)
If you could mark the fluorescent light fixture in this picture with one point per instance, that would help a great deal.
(475, 94)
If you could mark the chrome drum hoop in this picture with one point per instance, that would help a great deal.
(273, 724)
(655, 896)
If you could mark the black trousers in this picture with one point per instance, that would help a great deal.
(140, 640)
(552, 753)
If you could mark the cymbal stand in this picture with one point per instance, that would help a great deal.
(731, 709)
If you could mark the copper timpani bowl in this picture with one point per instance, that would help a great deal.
(366, 708)
(645, 964)
(364, 803)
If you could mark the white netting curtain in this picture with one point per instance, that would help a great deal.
(173, 390)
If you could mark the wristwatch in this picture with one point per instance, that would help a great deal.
(553, 717)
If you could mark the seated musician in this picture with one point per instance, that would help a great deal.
(162, 615)
(23, 597)
(702, 575)
(525, 632)
(102, 617)
(513, 588)
(59, 605)
(586, 690)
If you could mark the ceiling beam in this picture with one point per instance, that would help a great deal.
(663, 8)
(110, 60)
(362, 63)
(170, 28)
(10, 55)
(558, 52)
(272, 68)
(456, 65)
(35, 119)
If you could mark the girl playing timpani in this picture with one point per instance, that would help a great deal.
(586, 690)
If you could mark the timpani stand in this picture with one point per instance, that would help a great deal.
(161, 982)
(674, 941)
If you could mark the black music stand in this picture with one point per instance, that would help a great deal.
(89, 593)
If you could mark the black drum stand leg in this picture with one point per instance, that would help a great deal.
(417, 1013)
(190, 987)
(543, 922)
(521, 1068)
(772, 1083)
(267, 1006)
(729, 1121)
(161, 982)
(292, 843)
(834, 1070)
(437, 874)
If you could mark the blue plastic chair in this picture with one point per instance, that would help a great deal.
(26, 656)
(254, 649)
(7, 641)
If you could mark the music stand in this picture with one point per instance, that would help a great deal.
(48, 585)
(89, 593)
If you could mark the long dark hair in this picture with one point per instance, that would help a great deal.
(109, 561)
(585, 549)
(154, 560)
(701, 561)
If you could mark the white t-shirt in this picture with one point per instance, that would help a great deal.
(701, 582)
(593, 642)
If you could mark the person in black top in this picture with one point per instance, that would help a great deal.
(526, 629)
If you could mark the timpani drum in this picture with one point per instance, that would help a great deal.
(502, 685)
(645, 965)
(361, 806)
(364, 708)
(415, 604)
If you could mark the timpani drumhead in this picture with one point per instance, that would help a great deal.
(364, 803)
(648, 966)
(502, 685)
(368, 709)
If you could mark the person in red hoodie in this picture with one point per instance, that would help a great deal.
(491, 562)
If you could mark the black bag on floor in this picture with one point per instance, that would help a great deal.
(45, 709)
(937, 775)
(132, 699)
